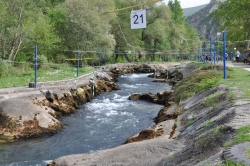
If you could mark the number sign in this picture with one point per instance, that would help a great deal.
(138, 19)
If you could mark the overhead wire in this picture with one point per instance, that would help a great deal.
(139, 5)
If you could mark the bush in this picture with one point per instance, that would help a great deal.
(197, 82)
(7, 69)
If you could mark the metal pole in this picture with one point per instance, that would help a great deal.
(105, 58)
(35, 66)
(205, 52)
(224, 54)
(199, 53)
(99, 56)
(155, 70)
(75, 80)
(214, 50)
(93, 82)
(211, 50)
(78, 61)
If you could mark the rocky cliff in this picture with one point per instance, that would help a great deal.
(203, 23)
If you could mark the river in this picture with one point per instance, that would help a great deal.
(105, 122)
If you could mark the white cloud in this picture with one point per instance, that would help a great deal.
(191, 3)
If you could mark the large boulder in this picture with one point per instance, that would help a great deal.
(160, 98)
(147, 97)
(20, 117)
(164, 97)
(103, 76)
(167, 113)
(145, 134)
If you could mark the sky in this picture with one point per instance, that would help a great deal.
(191, 3)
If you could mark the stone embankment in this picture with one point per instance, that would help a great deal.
(28, 112)
(187, 133)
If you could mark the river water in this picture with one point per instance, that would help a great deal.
(105, 122)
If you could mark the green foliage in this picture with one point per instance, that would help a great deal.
(190, 121)
(175, 7)
(232, 15)
(61, 25)
(240, 78)
(211, 99)
(248, 152)
(162, 33)
(87, 26)
(22, 57)
(207, 123)
(172, 158)
(200, 81)
(6, 69)
(42, 59)
(11, 76)
(231, 163)
(207, 139)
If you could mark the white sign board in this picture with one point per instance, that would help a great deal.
(138, 19)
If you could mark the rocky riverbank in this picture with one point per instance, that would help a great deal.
(28, 112)
(188, 132)
(34, 115)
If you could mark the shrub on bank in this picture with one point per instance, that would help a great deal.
(203, 79)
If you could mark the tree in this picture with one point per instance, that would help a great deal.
(84, 24)
(12, 31)
(152, 37)
(162, 33)
(178, 16)
(234, 17)
(22, 25)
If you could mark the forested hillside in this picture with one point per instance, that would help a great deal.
(61, 27)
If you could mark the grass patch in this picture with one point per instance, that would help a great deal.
(212, 99)
(190, 121)
(200, 81)
(240, 78)
(231, 163)
(15, 77)
(207, 123)
(208, 76)
(248, 152)
(209, 138)
(243, 135)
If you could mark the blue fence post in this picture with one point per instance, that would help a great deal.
(215, 51)
(198, 53)
(204, 51)
(35, 65)
(224, 54)
(211, 50)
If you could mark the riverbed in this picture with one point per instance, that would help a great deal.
(105, 122)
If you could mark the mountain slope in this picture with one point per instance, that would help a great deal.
(192, 10)
(202, 23)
